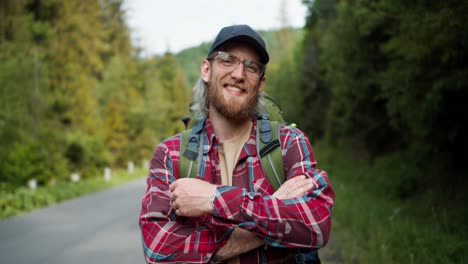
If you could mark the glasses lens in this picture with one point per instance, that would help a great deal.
(230, 62)
(252, 67)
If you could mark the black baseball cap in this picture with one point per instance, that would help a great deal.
(242, 33)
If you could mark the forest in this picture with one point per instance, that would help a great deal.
(377, 83)
(75, 94)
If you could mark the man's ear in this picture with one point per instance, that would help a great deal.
(261, 84)
(205, 70)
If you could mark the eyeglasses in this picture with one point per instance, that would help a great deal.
(230, 62)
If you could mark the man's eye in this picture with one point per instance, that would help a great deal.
(227, 61)
(251, 67)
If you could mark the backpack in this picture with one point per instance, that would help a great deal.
(269, 148)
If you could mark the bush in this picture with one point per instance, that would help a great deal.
(382, 214)
(30, 159)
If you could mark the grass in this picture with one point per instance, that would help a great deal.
(383, 214)
(24, 200)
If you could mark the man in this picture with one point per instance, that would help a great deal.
(230, 211)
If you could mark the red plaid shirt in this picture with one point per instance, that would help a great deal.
(284, 225)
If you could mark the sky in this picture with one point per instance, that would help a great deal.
(173, 25)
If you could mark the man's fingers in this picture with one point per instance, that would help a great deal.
(191, 197)
(303, 183)
(172, 186)
(304, 187)
(296, 187)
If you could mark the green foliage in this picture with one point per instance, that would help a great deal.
(351, 64)
(190, 61)
(387, 75)
(73, 96)
(425, 82)
(282, 84)
(30, 159)
(393, 84)
(376, 221)
(173, 93)
(171, 79)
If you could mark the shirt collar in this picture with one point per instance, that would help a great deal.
(211, 141)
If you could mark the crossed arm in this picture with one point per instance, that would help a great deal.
(179, 224)
(170, 241)
(242, 241)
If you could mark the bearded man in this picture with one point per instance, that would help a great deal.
(230, 212)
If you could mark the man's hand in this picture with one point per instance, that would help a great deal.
(192, 197)
(294, 188)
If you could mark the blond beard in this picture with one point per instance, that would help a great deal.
(229, 109)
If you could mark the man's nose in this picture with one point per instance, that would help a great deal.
(239, 72)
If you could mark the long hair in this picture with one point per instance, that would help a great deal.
(200, 106)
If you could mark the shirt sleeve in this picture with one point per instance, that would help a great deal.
(303, 222)
(167, 238)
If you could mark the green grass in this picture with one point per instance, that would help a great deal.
(24, 200)
(383, 214)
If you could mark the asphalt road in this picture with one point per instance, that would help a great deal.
(98, 228)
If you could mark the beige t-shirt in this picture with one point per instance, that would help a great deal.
(229, 151)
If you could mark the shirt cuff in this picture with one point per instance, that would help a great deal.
(227, 202)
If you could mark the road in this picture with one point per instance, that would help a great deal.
(94, 229)
(97, 228)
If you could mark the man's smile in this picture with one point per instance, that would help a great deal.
(234, 89)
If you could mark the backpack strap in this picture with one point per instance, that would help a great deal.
(190, 149)
(273, 166)
(269, 149)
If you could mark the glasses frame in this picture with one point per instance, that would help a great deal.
(217, 54)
